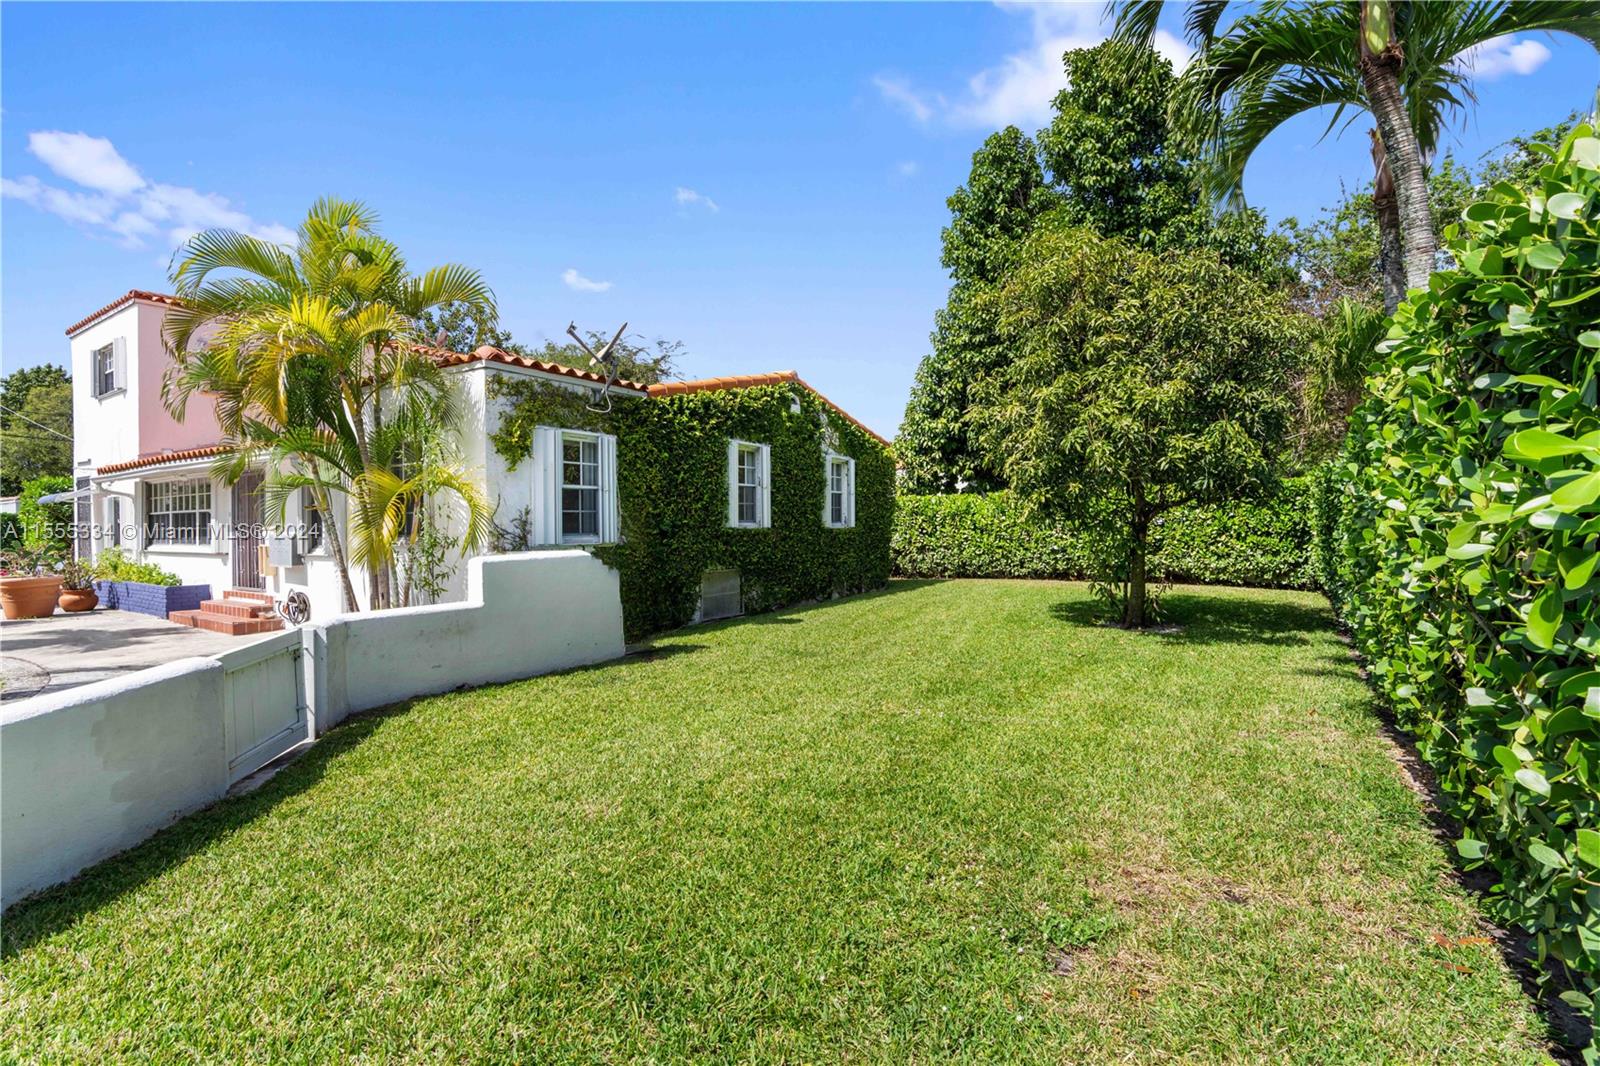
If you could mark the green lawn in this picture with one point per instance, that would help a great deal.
(948, 820)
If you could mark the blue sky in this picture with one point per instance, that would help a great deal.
(765, 182)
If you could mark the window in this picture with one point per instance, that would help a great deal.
(580, 489)
(310, 522)
(178, 512)
(83, 519)
(839, 505)
(114, 522)
(574, 498)
(107, 369)
(749, 497)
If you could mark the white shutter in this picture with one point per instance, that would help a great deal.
(827, 489)
(546, 500)
(764, 481)
(119, 363)
(610, 517)
(850, 495)
(733, 483)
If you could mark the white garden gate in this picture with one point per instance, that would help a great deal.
(263, 701)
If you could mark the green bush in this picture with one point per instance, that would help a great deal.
(1460, 539)
(113, 564)
(10, 532)
(46, 527)
(1263, 543)
(672, 493)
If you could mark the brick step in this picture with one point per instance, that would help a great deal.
(248, 594)
(228, 625)
(236, 608)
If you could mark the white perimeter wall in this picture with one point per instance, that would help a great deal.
(525, 614)
(88, 772)
(94, 770)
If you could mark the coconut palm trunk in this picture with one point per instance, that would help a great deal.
(1381, 60)
(1391, 265)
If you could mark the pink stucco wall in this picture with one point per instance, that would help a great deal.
(158, 430)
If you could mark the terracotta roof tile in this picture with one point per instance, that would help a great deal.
(128, 297)
(490, 354)
(162, 458)
(750, 381)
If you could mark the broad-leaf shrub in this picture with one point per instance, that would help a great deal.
(1260, 542)
(1460, 538)
(46, 527)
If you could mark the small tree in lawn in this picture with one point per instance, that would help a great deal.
(1140, 382)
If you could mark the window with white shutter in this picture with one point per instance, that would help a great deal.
(749, 485)
(839, 497)
(575, 487)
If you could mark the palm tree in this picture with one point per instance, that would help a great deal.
(1398, 61)
(305, 349)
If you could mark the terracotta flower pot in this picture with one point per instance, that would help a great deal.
(29, 597)
(78, 600)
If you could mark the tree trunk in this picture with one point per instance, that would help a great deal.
(1391, 265)
(1380, 77)
(330, 529)
(1133, 609)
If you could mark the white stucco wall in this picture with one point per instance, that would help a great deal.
(92, 771)
(105, 429)
(526, 614)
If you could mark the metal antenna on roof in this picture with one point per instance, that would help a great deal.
(604, 362)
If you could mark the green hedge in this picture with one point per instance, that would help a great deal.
(46, 527)
(672, 490)
(1264, 543)
(1460, 539)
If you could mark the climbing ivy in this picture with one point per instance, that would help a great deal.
(672, 487)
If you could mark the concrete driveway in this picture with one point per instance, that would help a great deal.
(67, 650)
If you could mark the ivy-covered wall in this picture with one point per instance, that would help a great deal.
(672, 487)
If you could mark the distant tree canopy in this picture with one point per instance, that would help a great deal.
(35, 425)
(1105, 162)
(460, 329)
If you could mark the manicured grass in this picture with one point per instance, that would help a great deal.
(947, 820)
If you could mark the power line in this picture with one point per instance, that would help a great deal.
(31, 422)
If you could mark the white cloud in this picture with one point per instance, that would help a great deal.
(1021, 88)
(1503, 55)
(121, 201)
(92, 162)
(688, 198)
(578, 283)
(898, 91)
(907, 168)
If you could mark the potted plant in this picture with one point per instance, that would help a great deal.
(77, 588)
(27, 587)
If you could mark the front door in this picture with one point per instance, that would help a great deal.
(247, 531)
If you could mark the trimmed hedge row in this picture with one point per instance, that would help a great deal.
(1459, 538)
(1264, 543)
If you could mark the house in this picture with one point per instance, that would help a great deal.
(711, 497)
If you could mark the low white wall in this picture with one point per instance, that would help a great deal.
(92, 771)
(526, 614)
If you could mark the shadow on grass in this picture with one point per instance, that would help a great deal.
(799, 612)
(46, 913)
(1569, 1028)
(1201, 618)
